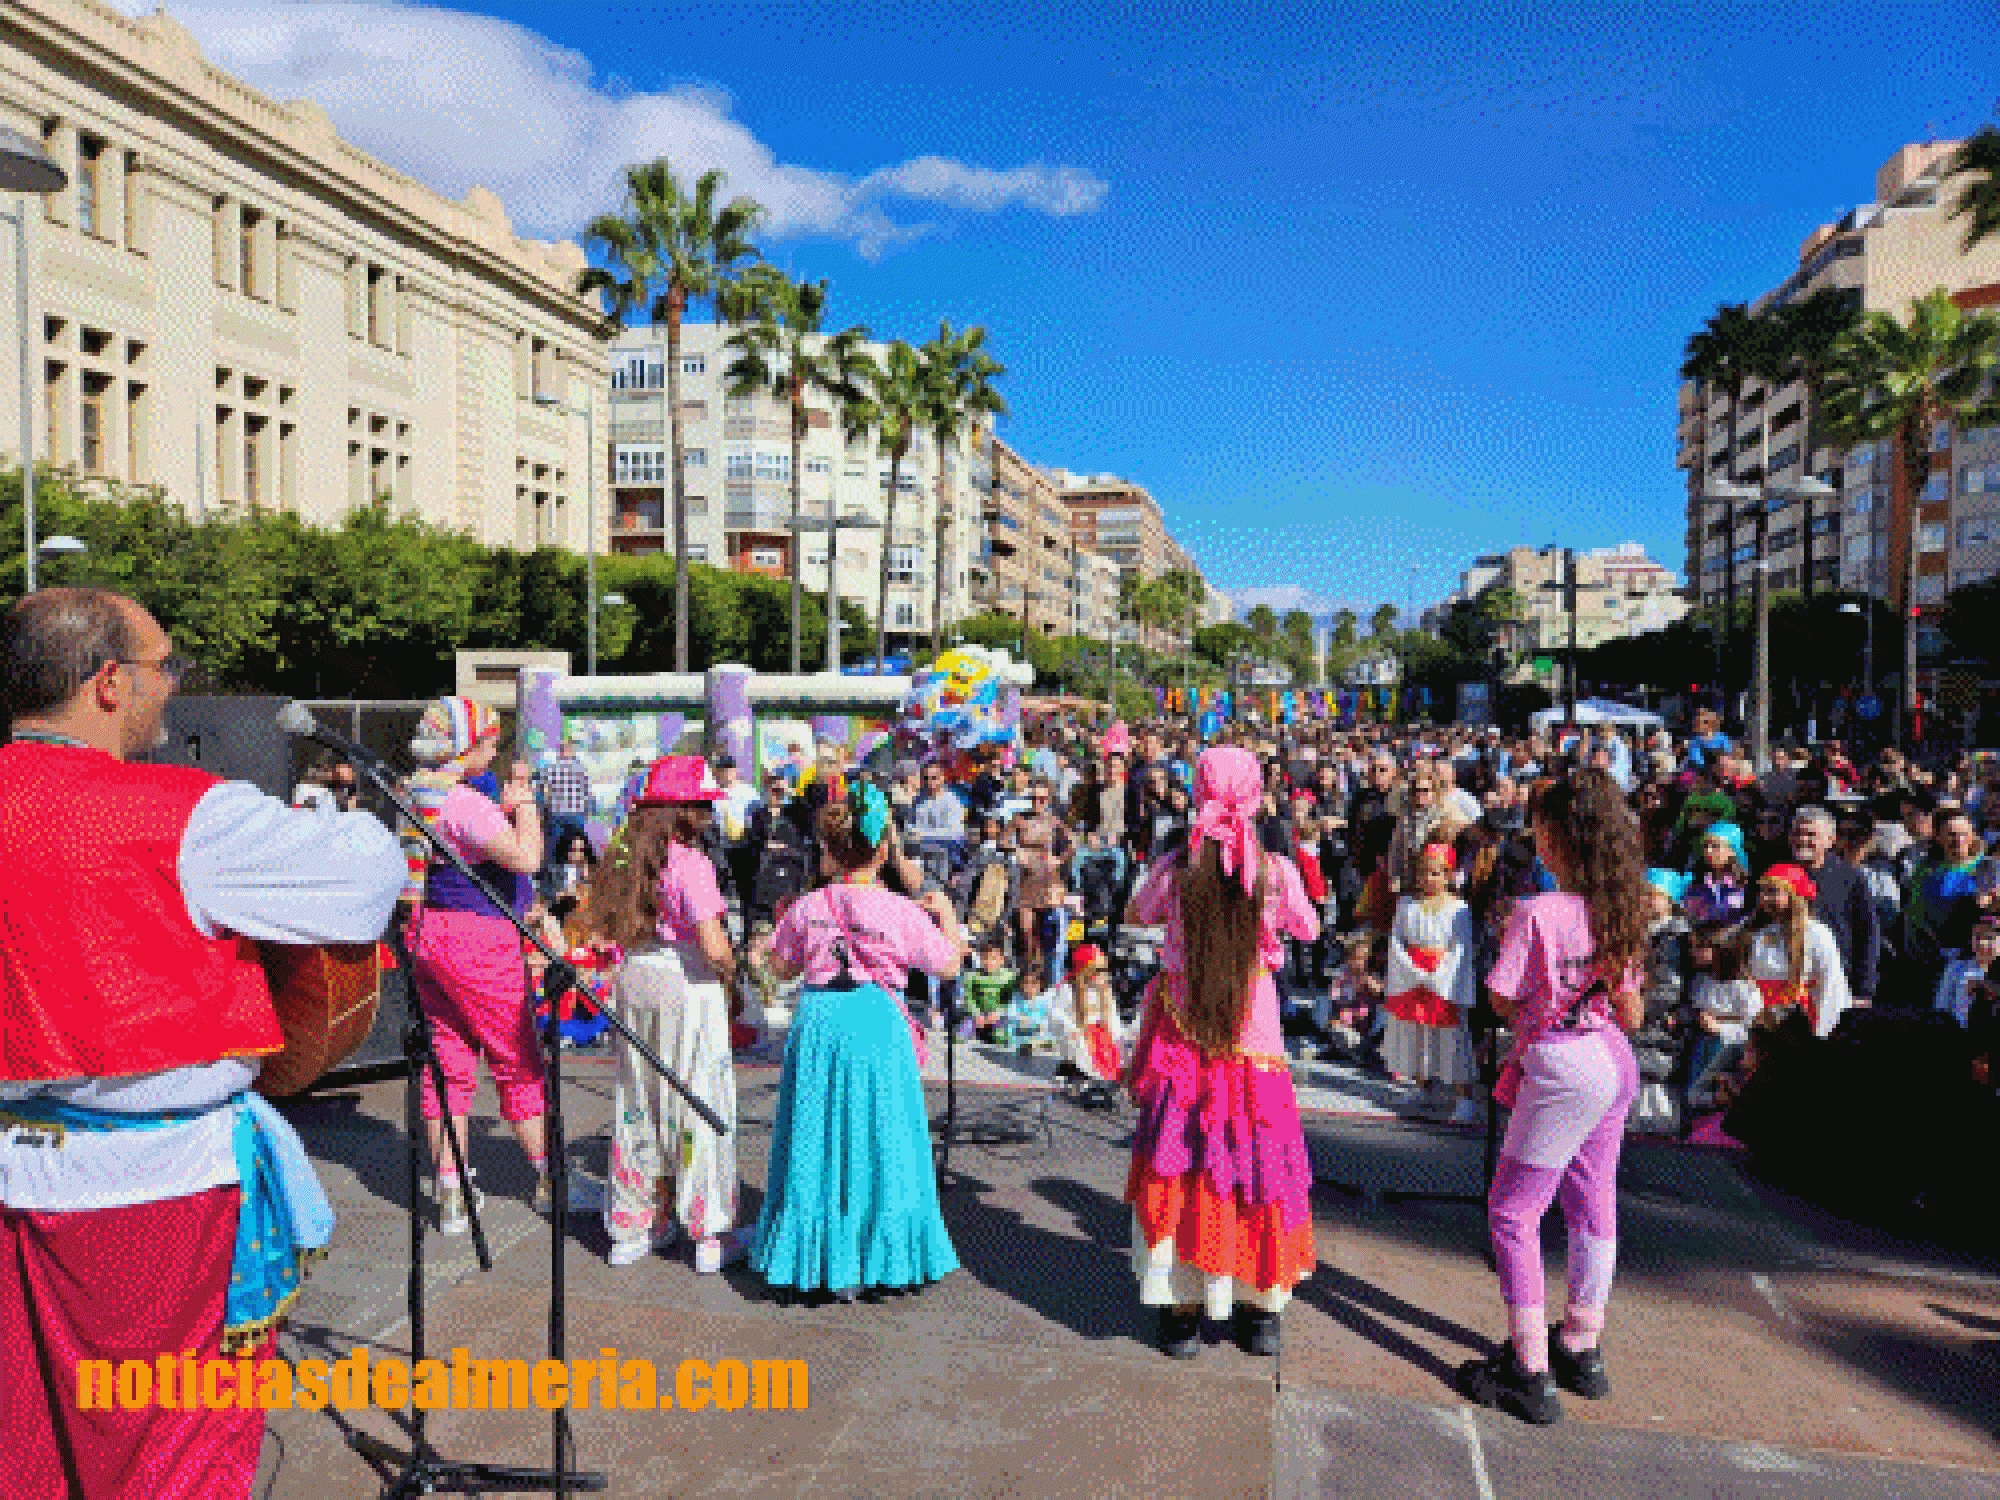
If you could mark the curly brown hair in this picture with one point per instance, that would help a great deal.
(624, 901)
(1219, 928)
(1595, 839)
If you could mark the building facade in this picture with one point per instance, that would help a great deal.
(737, 458)
(1027, 566)
(1884, 254)
(1619, 592)
(239, 308)
(1117, 519)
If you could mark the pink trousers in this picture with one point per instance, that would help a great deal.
(117, 1284)
(474, 987)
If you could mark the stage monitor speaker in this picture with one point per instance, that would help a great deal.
(237, 739)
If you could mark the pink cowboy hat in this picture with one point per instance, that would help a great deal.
(677, 778)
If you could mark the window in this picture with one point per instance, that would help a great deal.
(246, 254)
(1937, 489)
(1978, 531)
(774, 466)
(1941, 437)
(1857, 549)
(1963, 576)
(694, 364)
(1930, 588)
(818, 466)
(638, 372)
(766, 557)
(903, 615)
(905, 564)
(1978, 481)
(89, 159)
(738, 463)
(697, 552)
(1931, 536)
(639, 463)
(694, 458)
(253, 468)
(90, 424)
(378, 310)
(856, 471)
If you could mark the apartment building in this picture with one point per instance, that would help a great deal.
(1026, 566)
(1885, 253)
(1096, 608)
(1619, 592)
(1116, 518)
(737, 459)
(236, 306)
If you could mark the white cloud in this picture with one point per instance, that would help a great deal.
(457, 99)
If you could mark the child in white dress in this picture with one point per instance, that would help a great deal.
(1430, 985)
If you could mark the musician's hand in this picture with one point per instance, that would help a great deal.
(519, 790)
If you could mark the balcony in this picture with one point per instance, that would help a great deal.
(757, 515)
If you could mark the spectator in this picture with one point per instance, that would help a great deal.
(566, 791)
(1505, 809)
(1455, 804)
(1841, 901)
(316, 790)
(937, 821)
(742, 838)
(1942, 902)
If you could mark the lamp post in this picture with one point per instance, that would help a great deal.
(585, 411)
(26, 169)
(1760, 658)
(832, 527)
(1867, 612)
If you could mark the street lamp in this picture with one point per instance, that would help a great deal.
(1867, 612)
(1760, 662)
(549, 403)
(833, 528)
(25, 169)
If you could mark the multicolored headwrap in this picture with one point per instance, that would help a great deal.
(450, 727)
(1228, 789)
(1795, 879)
(870, 810)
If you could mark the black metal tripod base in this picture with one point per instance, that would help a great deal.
(423, 1473)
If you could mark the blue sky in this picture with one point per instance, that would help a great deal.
(1356, 294)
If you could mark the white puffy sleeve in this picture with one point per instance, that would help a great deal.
(251, 866)
(1826, 980)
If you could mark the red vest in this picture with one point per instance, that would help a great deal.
(102, 972)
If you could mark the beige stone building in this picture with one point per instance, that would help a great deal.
(1886, 253)
(1620, 592)
(1028, 565)
(1118, 519)
(737, 456)
(237, 306)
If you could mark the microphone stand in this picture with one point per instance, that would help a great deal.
(422, 1472)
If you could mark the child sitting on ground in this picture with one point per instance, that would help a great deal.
(1725, 1003)
(1027, 1012)
(988, 991)
(1084, 1019)
(1346, 1012)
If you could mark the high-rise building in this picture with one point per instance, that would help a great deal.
(1027, 565)
(236, 306)
(1885, 254)
(1116, 518)
(1619, 592)
(737, 459)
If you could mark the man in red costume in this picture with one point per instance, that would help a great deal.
(150, 1205)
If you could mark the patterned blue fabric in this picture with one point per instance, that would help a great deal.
(284, 1213)
(851, 1196)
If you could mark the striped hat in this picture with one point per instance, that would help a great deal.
(450, 727)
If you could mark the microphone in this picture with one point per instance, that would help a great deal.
(295, 719)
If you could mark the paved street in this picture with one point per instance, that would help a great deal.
(1758, 1350)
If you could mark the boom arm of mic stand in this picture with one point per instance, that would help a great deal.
(558, 966)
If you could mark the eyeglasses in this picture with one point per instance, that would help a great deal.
(172, 666)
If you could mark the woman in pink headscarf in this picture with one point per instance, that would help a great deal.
(1220, 1180)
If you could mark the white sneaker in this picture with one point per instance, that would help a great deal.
(451, 1210)
(1466, 1112)
(717, 1251)
(631, 1252)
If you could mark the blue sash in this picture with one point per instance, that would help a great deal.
(284, 1220)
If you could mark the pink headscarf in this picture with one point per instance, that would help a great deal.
(1118, 739)
(1227, 792)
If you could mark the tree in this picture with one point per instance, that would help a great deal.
(1345, 625)
(1382, 621)
(1263, 626)
(668, 249)
(1727, 351)
(959, 397)
(782, 352)
(1979, 201)
(1897, 380)
(1804, 336)
(893, 409)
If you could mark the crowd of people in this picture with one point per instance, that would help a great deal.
(1599, 932)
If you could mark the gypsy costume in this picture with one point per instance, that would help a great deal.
(850, 1199)
(672, 998)
(1220, 1181)
(149, 1203)
(1428, 988)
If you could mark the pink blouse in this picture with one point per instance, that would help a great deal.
(887, 935)
(688, 894)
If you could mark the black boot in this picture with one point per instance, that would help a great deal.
(1580, 1374)
(1257, 1331)
(1180, 1333)
(1502, 1384)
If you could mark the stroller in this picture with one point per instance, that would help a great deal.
(986, 891)
(1098, 877)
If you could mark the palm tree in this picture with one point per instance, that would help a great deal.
(1725, 353)
(1898, 380)
(895, 406)
(1382, 621)
(959, 376)
(1979, 200)
(1803, 340)
(688, 249)
(1345, 625)
(783, 353)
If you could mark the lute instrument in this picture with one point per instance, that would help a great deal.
(325, 996)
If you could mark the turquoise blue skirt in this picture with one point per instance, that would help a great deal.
(851, 1194)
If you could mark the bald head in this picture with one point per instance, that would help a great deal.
(89, 663)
